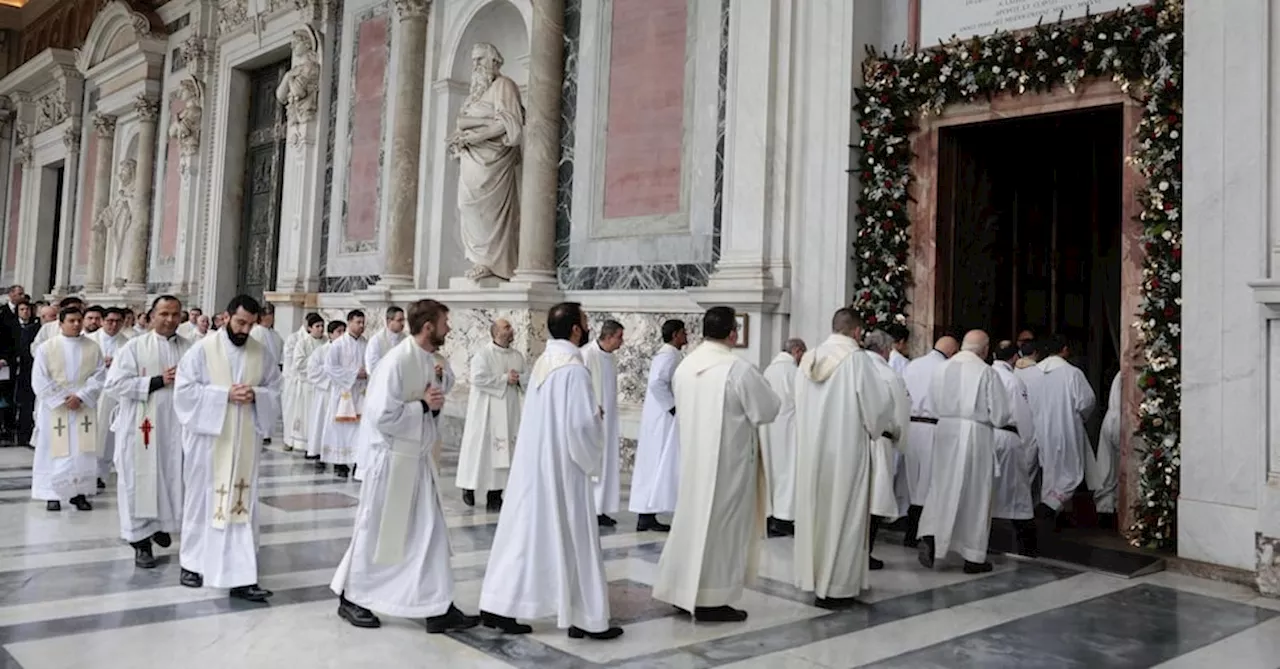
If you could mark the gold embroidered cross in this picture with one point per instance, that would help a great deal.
(222, 495)
(59, 426)
(239, 508)
(86, 424)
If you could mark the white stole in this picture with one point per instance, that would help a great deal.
(235, 447)
(145, 461)
(62, 425)
(347, 411)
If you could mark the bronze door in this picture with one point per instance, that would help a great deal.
(263, 183)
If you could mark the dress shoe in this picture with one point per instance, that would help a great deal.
(320, 466)
(53, 505)
(102, 485)
(341, 471)
(162, 539)
(873, 564)
(605, 521)
(469, 497)
(287, 448)
(266, 442)
(925, 555)
(780, 528)
(611, 633)
(977, 567)
(909, 538)
(835, 603)
(649, 522)
(493, 501)
(719, 614)
(191, 579)
(504, 624)
(310, 457)
(251, 593)
(357, 615)
(142, 556)
(451, 621)
(81, 504)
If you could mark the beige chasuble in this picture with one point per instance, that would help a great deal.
(235, 448)
(60, 418)
(145, 461)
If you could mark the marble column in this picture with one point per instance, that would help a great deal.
(64, 254)
(105, 127)
(536, 260)
(148, 110)
(406, 140)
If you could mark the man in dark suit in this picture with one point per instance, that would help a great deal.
(10, 343)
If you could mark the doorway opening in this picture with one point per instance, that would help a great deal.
(259, 239)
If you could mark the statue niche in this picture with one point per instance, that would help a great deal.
(486, 144)
(114, 221)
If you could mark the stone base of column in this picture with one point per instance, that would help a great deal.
(394, 282)
(535, 276)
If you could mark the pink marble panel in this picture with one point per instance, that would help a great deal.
(645, 123)
(172, 190)
(15, 209)
(85, 226)
(365, 164)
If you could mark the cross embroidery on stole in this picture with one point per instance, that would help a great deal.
(146, 428)
(239, 508)
(59, 426)
(222, 495)
(86, 424)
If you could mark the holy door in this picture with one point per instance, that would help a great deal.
(264, 183)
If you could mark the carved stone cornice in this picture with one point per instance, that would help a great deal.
(23, 146)
(71, 138)
(412, 9)
(147, 108)
(232, 14)
(316, 10)
(195, 51)
(104, 125)
(51, 109)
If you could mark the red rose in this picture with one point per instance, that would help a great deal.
(1075, 41)
(1155, 283)
(871, 320)
(1168, 312)
(1177, 254)
(1151, 382)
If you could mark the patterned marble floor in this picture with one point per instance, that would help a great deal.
(70, 597)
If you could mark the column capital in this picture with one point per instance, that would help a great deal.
(104, 125)
(412, 9)
(148, 108)
(71, 138)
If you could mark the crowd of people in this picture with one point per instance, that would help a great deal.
(825, 444)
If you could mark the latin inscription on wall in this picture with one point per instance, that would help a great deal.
(941, 19)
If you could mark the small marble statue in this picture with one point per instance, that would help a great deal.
(299, 90)
(117, 218)
(487, 146)
(186, 127)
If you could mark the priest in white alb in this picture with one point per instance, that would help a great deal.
(265, 332)
(546, 558)
(289, 382)
(721, 402)
(1061, 401)
(778, 441)
(147, 434)
(655, 479)
(66, 377)
(1017, 456)
(110, 339)
(318, 415)
(378, 346)
(398, 560)
(842, 407)
(227, 398)
(52, 328)
(598, 357)
(918, 458)
(344, 365)
(885, 506)
(1102, 471)
(971, 403)
(493, 418)
(298, 391)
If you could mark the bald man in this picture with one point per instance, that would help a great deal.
(493, 418)
(919, 453)
(971, 404)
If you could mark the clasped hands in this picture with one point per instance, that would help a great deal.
(170, 375)
(513, 378)
(240, 394)
(73, 403)
(434, 398)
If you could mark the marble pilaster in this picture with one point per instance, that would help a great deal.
(536, 260)
(105, 127)
(148, 110)
(406, 140)
(188, 128)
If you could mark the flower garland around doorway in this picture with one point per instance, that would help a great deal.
(1140, 48)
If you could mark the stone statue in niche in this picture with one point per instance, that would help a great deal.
(186, 127)
(299, 90)
(117, 218)
(487, 147)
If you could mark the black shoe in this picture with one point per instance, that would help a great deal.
(81, 504)
(357, 615)
(977, 567)
(53, 505)
(102, 485)
(311, 457)
(1028, 538)
(469, 497)
(649, 522)
(605, 521)
(191, 579)
(320, 466)
(162, 539)
(451, 621)
(611, 633)
(266, 442)
(341, 471)
(925, 555)
(1107, 521)
(873, 564)
(251, 593)
(909, 539)
(142, 556)
(353, 469)
(835, 603)
(493, 501)
(503, 624)
(719, 614)
(779, 528)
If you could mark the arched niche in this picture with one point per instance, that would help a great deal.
(502, 24)
(119, 40)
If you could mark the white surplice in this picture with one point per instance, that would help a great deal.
(778, 440)
(318, 415)
(546, 558)
(841, 407)
(106, 403)
(493, 419)
(398, 560)
(343, 361)
(56, 477)
(226, 556)
(713, 549)
(1102, 471)
(272, 340)
(1017, 454)
(148, 459)
(47, 331)
(1061, 402)
(919, 454)
(898, 362)
(604, 387)
(378, 346)
(971, 402)
(886, 449)
(300, 393)
(289, 384)
(655, 480)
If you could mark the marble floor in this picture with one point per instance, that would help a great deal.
(71, 597)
